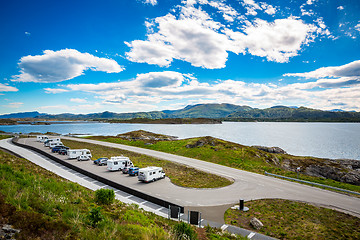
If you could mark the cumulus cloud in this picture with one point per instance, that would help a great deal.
(348, 70)
(193, 36)
(154, 88)
(57, 66)
(7, 88)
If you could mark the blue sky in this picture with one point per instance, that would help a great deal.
(144, 55)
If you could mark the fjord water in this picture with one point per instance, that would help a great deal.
(325, 140)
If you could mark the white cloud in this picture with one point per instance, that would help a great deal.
(14, 105)
(340, 8)
(348, 70)
(152, 2)
(57, 66)
(193, 36)
(78, 100)
(7, 88)
(251, 7)
(27, 33)
(357, 27)
(55, 90)
(152, 89)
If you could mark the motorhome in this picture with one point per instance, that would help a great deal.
(50, 140)
(41, 138)
(150, 174)
(55, 144)
(118, 163)
(74, 153)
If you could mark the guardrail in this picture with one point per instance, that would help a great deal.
(123, 188)
(312, 183)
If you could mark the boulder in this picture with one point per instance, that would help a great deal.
(270, 149)
(256, 223)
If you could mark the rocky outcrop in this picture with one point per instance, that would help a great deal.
(270, 149)
(342, 170)
(146, 136)
(8, 232)
(202, 142)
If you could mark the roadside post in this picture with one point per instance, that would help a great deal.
(242, 207)
(297, 171)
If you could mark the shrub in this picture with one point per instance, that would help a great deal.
(184, 231)
(95, 216)
(104, 196)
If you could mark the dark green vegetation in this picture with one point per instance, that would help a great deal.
(4, 136)
(226, 112)
(168, 121)
(180, 175)
(104, 196)
(236, 156)
(44, 206)
(286, 219)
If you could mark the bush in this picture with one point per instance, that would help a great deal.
(104, 196)
(184, 231)
(95, 216)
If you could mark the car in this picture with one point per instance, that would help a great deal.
(133, 171)
(83, 158)
(125, 170)
(62, 152)
(101, 161)
(58, 148)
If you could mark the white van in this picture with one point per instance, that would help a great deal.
(74, 153)
(149, 174)
(50, 140)
(118, 163)
(41, 138)
(54, 144)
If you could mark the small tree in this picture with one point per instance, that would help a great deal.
(104, 196)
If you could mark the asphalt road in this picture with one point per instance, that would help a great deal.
(247, 186)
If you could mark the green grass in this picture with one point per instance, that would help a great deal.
(232, 155)
(180, 175)
(286, 219)
(4, 137)
(45, 206)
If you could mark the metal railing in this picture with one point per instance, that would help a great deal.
(312, 183)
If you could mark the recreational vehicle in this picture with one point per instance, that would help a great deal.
(50, 140)
(150, 174)
(41, 138)
(118, 163)
(55, 144)
(74, 153)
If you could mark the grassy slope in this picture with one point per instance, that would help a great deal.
(286, 219)
(179, 174)
(232, 155)
(45, 206)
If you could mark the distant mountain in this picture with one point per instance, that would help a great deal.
(23, 115)
(224, 111)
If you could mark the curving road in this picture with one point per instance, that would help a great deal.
(247, 185)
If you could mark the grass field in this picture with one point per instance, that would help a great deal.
(286, 219)
(44, 206)
(180, 175)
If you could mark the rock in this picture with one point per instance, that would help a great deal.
(256, 223)
(7, 232)
(270, 149)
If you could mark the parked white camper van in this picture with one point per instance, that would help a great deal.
(74, 153)
(54, 144)
(149, 174)
(118, 163)
(41, 138)
(51, 140)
